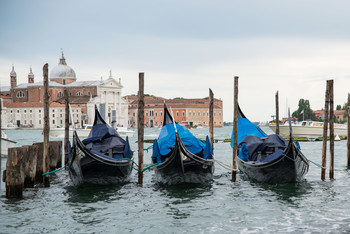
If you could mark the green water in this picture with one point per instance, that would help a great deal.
(220, 206)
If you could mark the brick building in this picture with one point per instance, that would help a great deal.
(83, 95)
(191, 112)
(339, 114)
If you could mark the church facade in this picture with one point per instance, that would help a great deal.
(23, 104)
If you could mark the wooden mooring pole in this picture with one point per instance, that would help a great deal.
(331, 129)
(140, 125)
(66, 127)
(277, 115)
(46, 180)
(235, 124)
(0, 139)
(325, 129)
(211, 117)
(348, 135)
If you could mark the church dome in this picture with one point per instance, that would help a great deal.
(62, 71)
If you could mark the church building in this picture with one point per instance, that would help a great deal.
(23, 104)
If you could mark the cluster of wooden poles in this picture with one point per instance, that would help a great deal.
(25, 166)
(328, 124)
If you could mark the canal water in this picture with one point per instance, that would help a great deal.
(221, 206)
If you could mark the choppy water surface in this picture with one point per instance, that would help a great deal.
(220, 206)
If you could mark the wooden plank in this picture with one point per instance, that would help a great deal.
(235, 124)
(325, 129)
(211, 117)
(140, 125)
(46, 181)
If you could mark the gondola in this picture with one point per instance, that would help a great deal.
(181, 157)
(268, 158)
(102, 158)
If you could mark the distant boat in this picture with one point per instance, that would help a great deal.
(84, 132)
(268, 158)
(309, 129)
(6, 143)
(10, 126)
(181, 157)
(102, 158)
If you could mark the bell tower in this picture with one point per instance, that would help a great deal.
(30, 77)
(13, 76)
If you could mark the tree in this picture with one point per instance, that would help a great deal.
(304, 111)
(338, 107)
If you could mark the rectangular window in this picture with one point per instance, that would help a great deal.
(53, 121)
(39, 121)
(177, 113)
(183, 113)
(199, 113)
(53, 115)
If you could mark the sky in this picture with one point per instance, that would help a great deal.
(186, 47)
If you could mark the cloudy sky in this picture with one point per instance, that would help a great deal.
(187, 47)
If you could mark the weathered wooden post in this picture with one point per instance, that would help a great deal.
(325, 128)
(0, 138)
(46, 125)
(331, 130)
(14, 173)
(31, 153)
(140, 125)
(66, 127)
(235, 124)
(277, 115)
(348, 135)
(39, 163)
(211, 117)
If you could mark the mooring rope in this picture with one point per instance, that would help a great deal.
(148, 148)
(224, 165)
(318, 165)
(54, 171)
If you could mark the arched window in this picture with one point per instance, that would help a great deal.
(60, 94)
(20, 94)
(79, 94)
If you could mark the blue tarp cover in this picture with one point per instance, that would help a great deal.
(251, 146)
(102, 137)
(246, 128)
(167, 139)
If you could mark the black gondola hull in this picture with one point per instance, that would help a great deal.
(86, 167)
(290, 167)
(184, 167)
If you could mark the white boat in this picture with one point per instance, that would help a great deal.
(10, 126)
(309, 129)
(84, 132)
(6, 143)
(123, 131)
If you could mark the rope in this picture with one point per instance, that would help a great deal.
(50, 172)
(136, 168)
(224, 165)
(149, 147)
(150, 166)
(318, 165)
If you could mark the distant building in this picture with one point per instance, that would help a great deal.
(23, 103)
(190, 112)
(339, 114)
